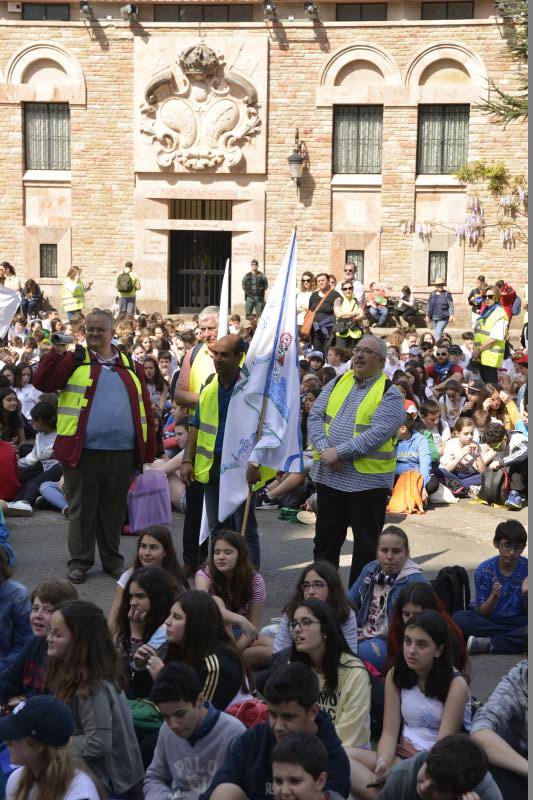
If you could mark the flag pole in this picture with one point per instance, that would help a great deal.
(257, 437)
(250, 488)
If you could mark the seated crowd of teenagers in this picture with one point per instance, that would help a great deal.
(180, 690)
(183, 691)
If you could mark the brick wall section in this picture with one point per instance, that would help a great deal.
(102, 148)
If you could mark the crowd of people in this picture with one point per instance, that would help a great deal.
(181, 691)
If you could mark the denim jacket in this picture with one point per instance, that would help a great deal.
(362, 590)
(15, 629)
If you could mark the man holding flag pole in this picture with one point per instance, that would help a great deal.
(263, 420)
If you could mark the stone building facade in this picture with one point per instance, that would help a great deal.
(179, 134)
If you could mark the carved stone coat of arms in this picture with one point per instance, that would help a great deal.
(200, 113)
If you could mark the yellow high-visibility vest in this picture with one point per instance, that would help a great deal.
(73, 299)
(73, 398)
(382, 460)
(493, 357)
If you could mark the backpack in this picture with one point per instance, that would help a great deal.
(516, 308)
(453, 588)
(407, 494)
(494, 487)
(125, 282)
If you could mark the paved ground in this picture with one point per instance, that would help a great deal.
(457, 534)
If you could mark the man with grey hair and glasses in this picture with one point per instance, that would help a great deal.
(352, 427)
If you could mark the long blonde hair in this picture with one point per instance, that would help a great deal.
(57, 772)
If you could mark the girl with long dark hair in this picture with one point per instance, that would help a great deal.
(415, 598)
(425, 699)
(197, 635)
(344, 682)
(155, 548)
(84, 671)
(11, 422)
(318, 581)
(145, 606)
(238, 589)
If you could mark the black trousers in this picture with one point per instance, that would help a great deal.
(193, 554)
(336, 510)
(488, 374)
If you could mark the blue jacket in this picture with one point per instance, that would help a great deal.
(15, 629)
(362, 590)
(248, 764)
(440, 305)
(414, 454)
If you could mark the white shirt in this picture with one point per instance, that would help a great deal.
(81, 788)
(28, 397)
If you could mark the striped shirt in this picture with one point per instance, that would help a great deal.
(385, 422)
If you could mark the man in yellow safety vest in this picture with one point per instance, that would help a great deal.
(196, 368)
(352, 426)
(105, 432)
(203, 452)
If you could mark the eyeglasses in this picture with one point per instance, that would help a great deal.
(303, 623)
(488, 296)
(511, 548)
(347, 288)
(306, 585)
(366, 351)
(442, 353)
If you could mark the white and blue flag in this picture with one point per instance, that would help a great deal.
(269, 375)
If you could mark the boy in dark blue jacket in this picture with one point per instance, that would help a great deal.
(292, 697)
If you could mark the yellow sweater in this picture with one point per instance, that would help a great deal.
(349, 706)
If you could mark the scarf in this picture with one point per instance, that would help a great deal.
(486, 311)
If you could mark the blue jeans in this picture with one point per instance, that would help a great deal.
(438, 327)
(380, 314)
(367, 651)
(53, 495)
(126, 305)
(462, 477)
(234, 522)
(507, 634)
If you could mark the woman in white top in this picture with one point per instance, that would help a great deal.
(27, 394)
(424, 694)
(38, 732)
(307, 287)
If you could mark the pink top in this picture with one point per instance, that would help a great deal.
(258, 590)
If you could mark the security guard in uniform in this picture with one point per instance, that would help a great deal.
(203, 452)
(352, 427)
(490, 335)
(105, 432)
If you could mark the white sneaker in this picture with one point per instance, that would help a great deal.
(19, 508)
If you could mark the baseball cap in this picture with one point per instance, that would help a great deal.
(455, 350)
(315, 354)
(521, 359)
(415, 350)
(410, 407)
(43, 717)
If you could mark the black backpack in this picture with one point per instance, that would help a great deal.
(453, 588)
(124, 282)
(494, 486)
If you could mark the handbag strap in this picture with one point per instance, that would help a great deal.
(323, 300)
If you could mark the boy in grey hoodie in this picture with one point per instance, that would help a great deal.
(192, 742)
